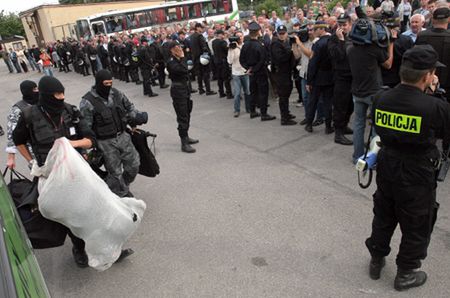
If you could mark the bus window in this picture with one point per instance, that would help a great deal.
(171, 13)
(114, 24)
(83, 29)
(141, 19)
(198, 10)
(208, 9)
(221, 6)
(158, 16)
(98, 28)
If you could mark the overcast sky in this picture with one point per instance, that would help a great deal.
(21, 5)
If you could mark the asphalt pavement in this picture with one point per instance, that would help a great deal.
(261, 210)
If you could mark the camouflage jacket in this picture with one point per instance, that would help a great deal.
(12, 120)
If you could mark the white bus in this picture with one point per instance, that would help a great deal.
(139, 19)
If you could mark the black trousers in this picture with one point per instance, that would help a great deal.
(202, 72)
(285, 86)
(223, 78)
(147, 81)
(183, 109)
(134, 74)
(342, 103)
(77, 242)
(259, 89)
(411, 205)
(115, 69)
(324, 93)
(93, 66)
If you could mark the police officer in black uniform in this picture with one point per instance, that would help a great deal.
(408, 122)
(91, 52)
(223, 72)
(283, 62)
(254, 59)
(342, 95)
(160, 63)
(146, 63)
(199, 47)
(41, 124)
(320, 78)
(134, 64)
(180, 91)
(439, 38)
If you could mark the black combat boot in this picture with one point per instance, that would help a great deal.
(185, 146)
(309, 127)
(375, 266)
(348, 131)
(80, 257)
(125, 253)
(254, 115)
(267, 117)
(339, 138)
(406, 279)
(328, 129)
(192, 141)
(287, 121)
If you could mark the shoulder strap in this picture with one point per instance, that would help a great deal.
(21, 104)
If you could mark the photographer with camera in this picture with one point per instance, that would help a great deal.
(284, 52)
(107, 111)
(238, 73)
(408, 122)
(365, 59)
(342, 96)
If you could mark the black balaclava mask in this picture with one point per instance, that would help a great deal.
(102, 90)
(28, 95)
(48, 86)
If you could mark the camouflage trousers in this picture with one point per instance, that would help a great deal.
(121, 162)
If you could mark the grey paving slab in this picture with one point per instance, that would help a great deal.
(260, 210)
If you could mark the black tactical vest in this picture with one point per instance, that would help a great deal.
(108, 121)
(43, 133)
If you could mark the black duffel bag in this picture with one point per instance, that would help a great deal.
(18, 184)
(149, 166)
(42, 232)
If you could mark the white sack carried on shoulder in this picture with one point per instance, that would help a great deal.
(72, 194)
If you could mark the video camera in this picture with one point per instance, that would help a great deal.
(233, 41)
(302, 34)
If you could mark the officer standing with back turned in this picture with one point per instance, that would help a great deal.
(408, 122)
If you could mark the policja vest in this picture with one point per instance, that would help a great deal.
(44, 133)
(108, 122)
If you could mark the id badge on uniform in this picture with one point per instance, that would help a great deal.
(72, 131)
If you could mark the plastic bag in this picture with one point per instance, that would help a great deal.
(72, 194)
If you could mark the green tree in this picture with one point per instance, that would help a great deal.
(269, 6)
(10, 24)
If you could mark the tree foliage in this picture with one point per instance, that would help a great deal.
(10, 25)
(269, 6)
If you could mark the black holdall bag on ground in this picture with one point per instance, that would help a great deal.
(149, 166)
(18, 184)
(42, 232)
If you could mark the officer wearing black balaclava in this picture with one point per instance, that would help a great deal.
(107, 112)
(30, 96)
(41, 124)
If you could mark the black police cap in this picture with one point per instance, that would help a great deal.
(421, 57)
(254, 26)
(343, 18)
(172, 44)
(441, 13)
(281, 28)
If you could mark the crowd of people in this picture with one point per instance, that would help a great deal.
(338, 61)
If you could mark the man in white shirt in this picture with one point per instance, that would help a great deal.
(416, 25)
(239, 74)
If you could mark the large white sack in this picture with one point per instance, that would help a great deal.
(72, 194)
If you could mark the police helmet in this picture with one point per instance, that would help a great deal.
(204, 59)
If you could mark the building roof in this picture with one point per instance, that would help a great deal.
(12, 39)
(32, 10)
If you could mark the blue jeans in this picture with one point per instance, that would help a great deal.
(238, 83)
(48, 71)
(306, 95)
(361, 105)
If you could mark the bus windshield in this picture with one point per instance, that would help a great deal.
(83, 29)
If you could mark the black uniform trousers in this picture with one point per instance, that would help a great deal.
(182, 104)
(285, 86)
(115, 68)
(411, 205)
(259, 89)
(134, 73)
(324, 94)
(202, 72)
(78, 243)
(147, 80)
(223, 78)
(93, 66)
(342, 103)
(161, 74)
